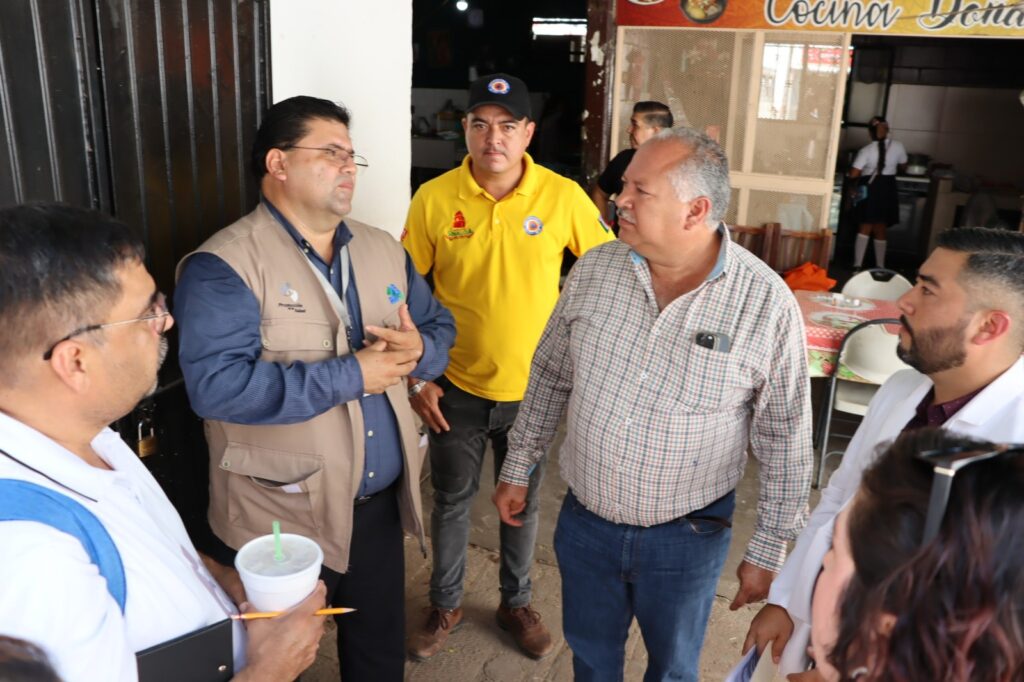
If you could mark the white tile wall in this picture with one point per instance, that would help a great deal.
(980, 131)
(916, 107)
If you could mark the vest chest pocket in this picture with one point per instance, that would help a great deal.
(264, 485)
(290, 341)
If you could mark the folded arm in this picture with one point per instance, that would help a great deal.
(218, 320)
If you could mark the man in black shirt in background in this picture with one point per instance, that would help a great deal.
(648, 119)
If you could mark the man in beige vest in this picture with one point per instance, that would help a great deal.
(297, 330)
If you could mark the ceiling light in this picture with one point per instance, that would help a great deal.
(462, 5)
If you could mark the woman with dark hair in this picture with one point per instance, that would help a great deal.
(877, 204)
(22, 661)
(892, 605)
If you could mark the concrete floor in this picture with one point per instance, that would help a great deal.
(479, 650)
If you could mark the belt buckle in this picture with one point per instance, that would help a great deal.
(363, 500)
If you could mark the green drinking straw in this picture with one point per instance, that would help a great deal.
(278, 552)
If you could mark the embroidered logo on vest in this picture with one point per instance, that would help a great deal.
(286, 290)
(395, 294)
(289, 293)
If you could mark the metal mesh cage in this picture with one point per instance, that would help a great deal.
(794, 211)
(795, 103)
(769, 97)
(696, 73)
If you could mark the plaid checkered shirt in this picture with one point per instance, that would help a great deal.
(658, 426)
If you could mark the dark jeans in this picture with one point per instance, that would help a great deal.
(456, 460)
(664, 575)
(371, 641)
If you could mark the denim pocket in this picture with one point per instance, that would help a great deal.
(707, 525)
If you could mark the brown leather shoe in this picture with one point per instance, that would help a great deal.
(530, 634)
(429, 639)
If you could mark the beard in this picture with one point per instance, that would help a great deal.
(161, 356)
(934, 350)
(130, 382)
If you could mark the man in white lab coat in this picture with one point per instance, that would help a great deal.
(963, 333)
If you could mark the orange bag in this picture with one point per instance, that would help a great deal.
(808, 277)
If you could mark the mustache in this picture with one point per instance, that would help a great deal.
(906, 325)
(626, 215)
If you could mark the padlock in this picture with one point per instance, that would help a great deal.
(147, 444)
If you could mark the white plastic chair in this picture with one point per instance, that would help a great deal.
(886, 285)
(869, 352)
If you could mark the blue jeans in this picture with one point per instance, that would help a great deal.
(665, 576)
(456, 462)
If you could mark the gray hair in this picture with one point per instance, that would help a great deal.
(703, 173)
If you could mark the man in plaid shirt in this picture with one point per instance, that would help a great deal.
(670, 352)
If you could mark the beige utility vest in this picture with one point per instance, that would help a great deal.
(306, 475)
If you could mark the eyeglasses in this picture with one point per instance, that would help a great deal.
(946, 464)
(335, 154)
(157, 321)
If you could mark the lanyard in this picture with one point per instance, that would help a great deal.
(332, 294)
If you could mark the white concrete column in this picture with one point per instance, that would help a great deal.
(357, 53)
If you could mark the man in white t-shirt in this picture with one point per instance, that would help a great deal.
(82, 342)
(963, 333)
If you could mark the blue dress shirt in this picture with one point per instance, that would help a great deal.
(219, 331)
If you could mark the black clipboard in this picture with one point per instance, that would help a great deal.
(204, 655)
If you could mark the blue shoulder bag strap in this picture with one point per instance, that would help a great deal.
(24, 501)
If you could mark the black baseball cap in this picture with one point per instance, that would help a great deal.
(503, 90)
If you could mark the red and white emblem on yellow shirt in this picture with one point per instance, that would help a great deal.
(533, 226)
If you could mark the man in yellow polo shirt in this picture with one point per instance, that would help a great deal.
(493, 232)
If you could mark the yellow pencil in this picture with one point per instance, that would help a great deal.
(272, 614)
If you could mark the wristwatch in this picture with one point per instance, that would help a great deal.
(417, 387)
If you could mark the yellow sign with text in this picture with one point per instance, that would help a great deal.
(938, 18)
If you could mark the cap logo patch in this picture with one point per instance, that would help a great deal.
(499, 86)
(533, 226)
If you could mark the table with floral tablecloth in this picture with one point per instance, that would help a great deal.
(827, 319)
